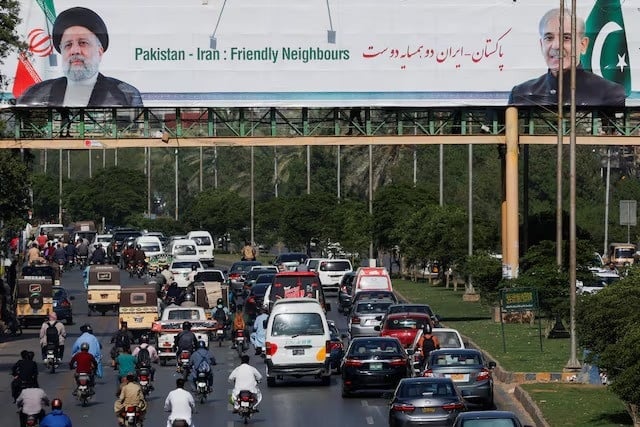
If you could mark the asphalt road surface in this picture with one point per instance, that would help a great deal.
(292, 403)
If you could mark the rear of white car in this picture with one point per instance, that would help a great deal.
(182, 267)
(298, 341)
(205, 245)
(331, 271)
(151, 245)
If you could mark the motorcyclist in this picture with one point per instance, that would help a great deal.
(99, 255)
(85, 363)
(31, 401)
(121, 339)
(25, 373)
(220, 313)
(82, 248)
(245, 377)
(48, 251)
(191, 277)
(180, 403)
(202, 360)
(56, 418)
(139, 257)
(185, 340)
(95, 348)
(188, 299)
(42, 239)
(125, 363)
(59, 255)
(70, 250)
(173, 293)
(130, 395)
(258, 336)
(127, 255)
(33, 255)
(238, 325)
(44, 338)
(168, 275)
(153, 355)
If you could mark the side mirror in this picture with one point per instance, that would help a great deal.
(492, 365)
(376, 328)
(378, 318)
(72, 298)
(411, 351)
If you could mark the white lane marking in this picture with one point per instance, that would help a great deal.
(364, 403)
(369, 420)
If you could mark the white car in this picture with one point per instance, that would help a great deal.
(151, 245)
(447, 337)
(602, 279)
(182, 267)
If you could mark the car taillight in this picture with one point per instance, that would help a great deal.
(251, 300)
(327, 346)
(64, 303)
(271, 348)
(402, 407)
(397, 362)
(457, 406)
(355, 320)
(131, 408)
(428, 373)
(483, 375)
(335, 345)
(353, 363)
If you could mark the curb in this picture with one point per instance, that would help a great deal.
(518, 378)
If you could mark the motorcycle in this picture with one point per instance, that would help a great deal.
(144, 375)
(202, 386)
(220, 334)
(140, 269)
(132, 416)
(61, 265)
(51, 361)
(184, 363)
(247, 402)
(82, 261)
(84, 389)
(131, 268)
(240, 342)
(32, 421)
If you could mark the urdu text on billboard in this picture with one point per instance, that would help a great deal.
(320, 53)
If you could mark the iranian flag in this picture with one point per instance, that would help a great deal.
(39, 17)
(608, 53)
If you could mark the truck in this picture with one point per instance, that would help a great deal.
(170, 325)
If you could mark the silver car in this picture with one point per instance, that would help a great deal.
(366, 315)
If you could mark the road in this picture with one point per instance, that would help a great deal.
(291, 403)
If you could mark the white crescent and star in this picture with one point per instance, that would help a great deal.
(598, 44)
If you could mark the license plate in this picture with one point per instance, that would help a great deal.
(375, 366)
(428, 410)
(143, 382)
(104, 296)
(138, 319)
(459, 377)
(36, 311)
(298, 351)
(244, 404)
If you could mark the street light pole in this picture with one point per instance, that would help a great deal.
(559, 144)
(176, 180)
(60, 189)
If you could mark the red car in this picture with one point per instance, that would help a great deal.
(404, 326)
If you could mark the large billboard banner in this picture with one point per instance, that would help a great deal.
(316, 53)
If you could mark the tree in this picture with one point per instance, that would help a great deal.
(609, 327)
(45, 197)
(305, 219)
(9, 20)
(219, 212)
(486, 271)
(14, 186)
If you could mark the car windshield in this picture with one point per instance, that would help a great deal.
(366, 296)
(405, 323)
(420, 389)
(300, 258)
(202, 241)
(371, 348)
(624, 253)
(241, 267)
(489, 422)
(121, 237)
(265, 278)
(294, 324)
(209, 276)
(373, 282)
(335, 266)
(447, 339)
(150, 247)
(406, 308)
(184, 250)
(184, 314)
(455, 359)
(185, 264)
(259, 289)
(372, 307)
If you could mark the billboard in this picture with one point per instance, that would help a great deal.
(316, 53)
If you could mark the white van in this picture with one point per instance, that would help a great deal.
(331, 271)
(298, 341)
(182, 247)
(371, 279)
(151, 245)
(205, 244)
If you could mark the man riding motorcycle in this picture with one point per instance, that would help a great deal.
(85, 363)
(180, 403)
(153, 356)
(130, 395)
(127, 255)
(31, 401)
(259, 334)
(47, 336)
(95, 348)
(245, 377)
(56, 418)
(185, 340)
(25, 374)
(202, 360)
(99, 255)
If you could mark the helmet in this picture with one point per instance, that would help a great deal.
(186, 326)
(86, 328)
(427, 328)
(202, 344)
(130, 245)
(188, 297)
(138, 247)
(84, 346)
(56, 404)
(220, 301)
(194, 267)
(144, 339)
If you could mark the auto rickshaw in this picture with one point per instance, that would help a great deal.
(33, 299)
(103, 290)
(139, 307)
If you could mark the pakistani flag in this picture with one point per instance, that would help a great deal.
(607, 54)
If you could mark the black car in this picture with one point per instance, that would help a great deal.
(371, 295)
(62, 304)
(255, 299)
(374, 364)
(344, 291)
(117, 244)
(415, 308)
(238, 273)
